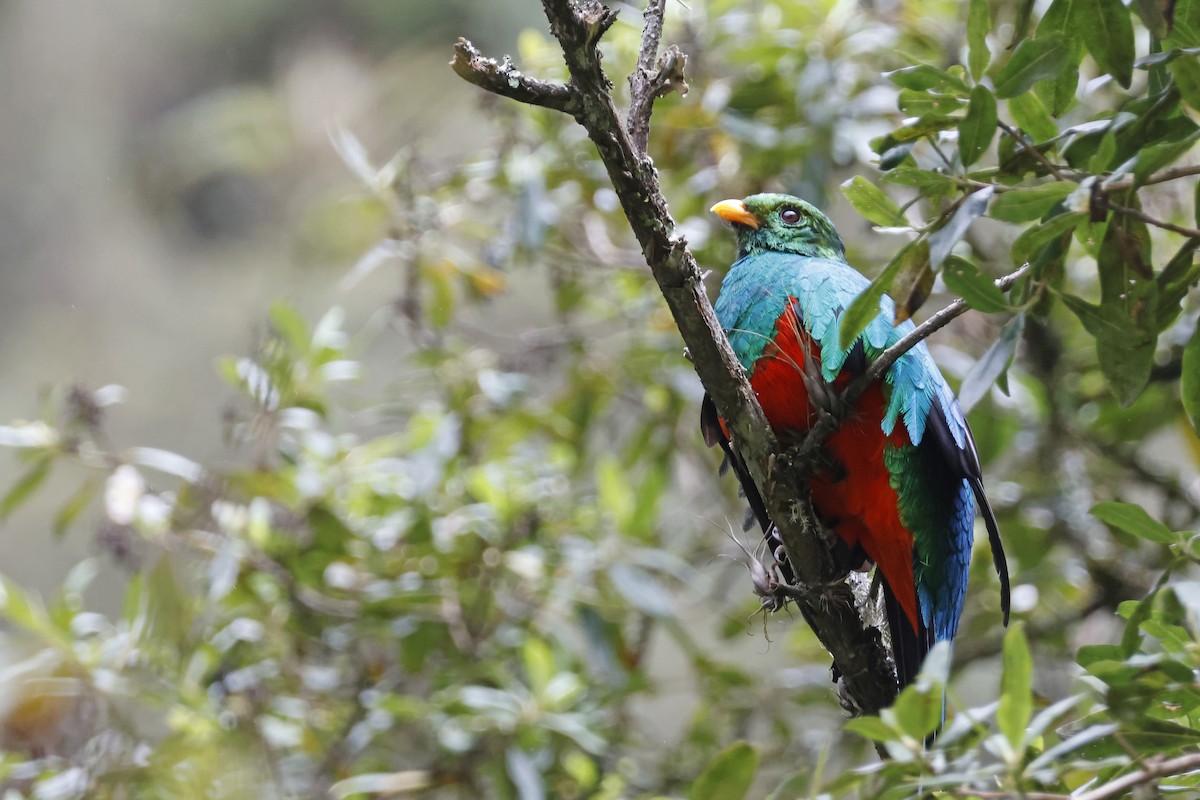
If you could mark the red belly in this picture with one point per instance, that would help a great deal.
(859, 504)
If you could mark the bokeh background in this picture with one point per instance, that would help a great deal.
(169, 171)
(166, 170)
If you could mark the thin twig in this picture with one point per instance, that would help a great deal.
(1154, 770)
(1137, 213)
(1174, 173)
(641, 96)
(654, 77)
(1031, 150)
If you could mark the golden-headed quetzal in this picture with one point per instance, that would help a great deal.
(907, 477)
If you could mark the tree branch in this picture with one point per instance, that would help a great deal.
(857, 649)
(646, 83)
(505, 80)
(1137, 213)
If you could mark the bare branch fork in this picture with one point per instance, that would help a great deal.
(826, 600)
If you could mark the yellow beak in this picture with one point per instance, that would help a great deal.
(735, 211)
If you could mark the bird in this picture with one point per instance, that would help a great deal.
(903, 478)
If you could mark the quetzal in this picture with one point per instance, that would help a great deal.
(906, 476)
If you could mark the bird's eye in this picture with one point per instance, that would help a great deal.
(790, 216)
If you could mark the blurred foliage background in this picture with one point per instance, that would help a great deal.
(357, 454)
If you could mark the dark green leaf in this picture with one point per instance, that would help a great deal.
(1026, 205)
(910, 290)
(976, 129)
(1186, 73)
(1132, 519)
(979, 290)
(1189, 383)
(979, 22)
(895, 154)
(1176, 278)
(944, 238)
(25, 486)
(1107, 32)
(1034, 60)
(1032, 240)
(1126, 354)
(992, 367)
(925, 76)
(1153, 158)
(870, 201)
(912, 258)
(1059, 93)
(729, 775)
(1031, 116)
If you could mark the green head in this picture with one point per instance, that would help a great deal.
(783, 224)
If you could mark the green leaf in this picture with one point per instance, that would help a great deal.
(290, 326)
(925, 126)
(386, 784)
(1033, 60)
(979, 290)
(910, 290)
(1028, 204)
(1189, 382)
(918, 710)
(25, 486)
(1186, 74)
(729, 775)
(927, 181)
(990, 370)
(870, 201)
(913, 257)
(75, 505)
(1032, 240)
(1132, 519)
(1153, 158)
(1107, 31)
(976, 129)
(1126, 354)
(923, 77)
(872, 728)
(979, 22)
(1059, 93)
(1174, 280)
(539, 664)
(944, 238)
(1032, 117)
(1016, 687)
(917, 103)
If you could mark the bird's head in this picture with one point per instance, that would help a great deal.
(780, 223)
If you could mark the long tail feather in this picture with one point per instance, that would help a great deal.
(998, 559)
